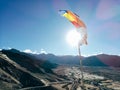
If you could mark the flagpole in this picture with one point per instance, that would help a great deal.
(81, 67)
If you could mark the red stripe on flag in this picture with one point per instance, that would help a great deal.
(77, 25)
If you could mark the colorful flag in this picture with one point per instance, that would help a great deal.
(80, 26)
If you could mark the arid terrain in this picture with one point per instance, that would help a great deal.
(95, 78)
(23, 71)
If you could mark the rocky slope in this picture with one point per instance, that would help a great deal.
(21, 70)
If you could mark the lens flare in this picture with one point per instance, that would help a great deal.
(73, 38)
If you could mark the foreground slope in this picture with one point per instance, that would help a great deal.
(20, 70)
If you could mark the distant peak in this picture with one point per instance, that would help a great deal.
(11, 50)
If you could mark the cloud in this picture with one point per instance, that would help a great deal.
(30, 51)
(27, 51)
(43, 51)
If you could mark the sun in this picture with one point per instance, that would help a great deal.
(73, 38)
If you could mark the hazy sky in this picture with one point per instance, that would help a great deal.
(36, 25)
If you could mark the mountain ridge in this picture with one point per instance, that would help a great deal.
(95, 60)
(100, 59)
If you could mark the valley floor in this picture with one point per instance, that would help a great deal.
(95, 78)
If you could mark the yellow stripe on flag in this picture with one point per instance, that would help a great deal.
(69, 17)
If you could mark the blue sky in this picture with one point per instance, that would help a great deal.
(36, 25)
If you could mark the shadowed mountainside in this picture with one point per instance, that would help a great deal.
(20, 70)
(28, 61)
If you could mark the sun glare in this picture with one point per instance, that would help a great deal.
(73, 38)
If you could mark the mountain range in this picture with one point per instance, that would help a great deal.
(21, 70)
(96, 60)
